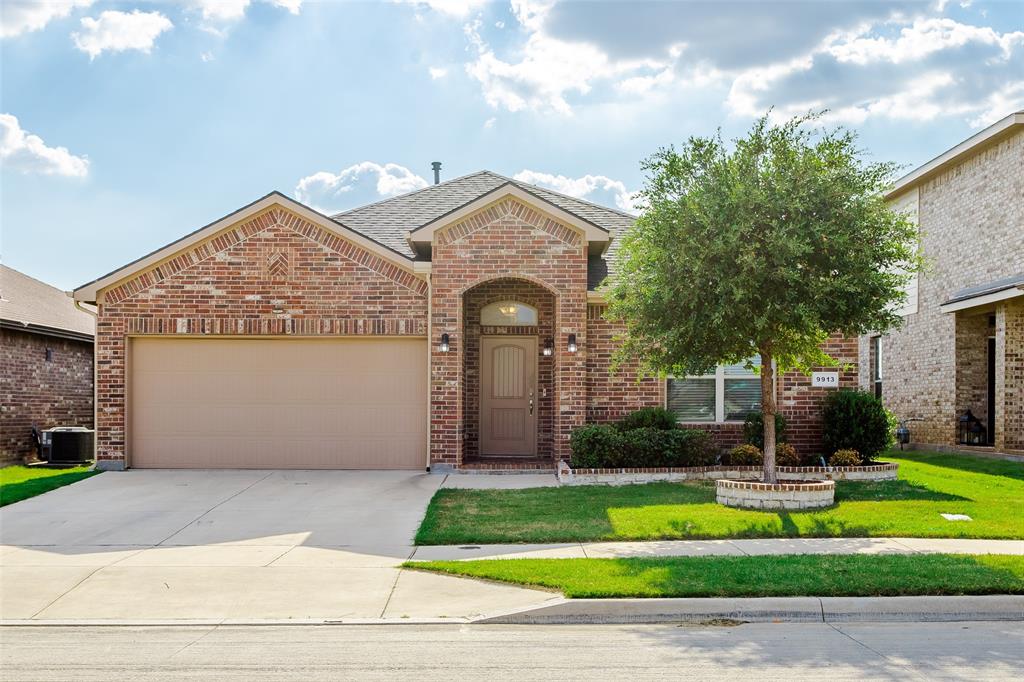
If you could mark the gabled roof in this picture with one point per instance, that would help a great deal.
(389, 220)
(383, 226)
(88, 291)
(27, 303)
(972, 145)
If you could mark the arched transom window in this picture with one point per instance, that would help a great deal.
(508, 313)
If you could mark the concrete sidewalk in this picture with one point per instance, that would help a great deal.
(669, 548)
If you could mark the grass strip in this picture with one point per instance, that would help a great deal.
(855, 575)
(19, 483)
(990, 491)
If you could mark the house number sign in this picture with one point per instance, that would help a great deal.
(825, 379)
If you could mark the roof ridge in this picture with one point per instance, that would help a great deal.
(408, 194)
(564, 196)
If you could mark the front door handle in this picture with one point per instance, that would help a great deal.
(531, 405)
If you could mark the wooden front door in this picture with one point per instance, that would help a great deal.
(508, 400)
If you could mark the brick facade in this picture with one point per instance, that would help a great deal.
(971, 220)
(507, 239)
(274, 274)
(610, 395)
(47, 393)
(278, 273)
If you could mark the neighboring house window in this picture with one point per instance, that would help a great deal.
(876, 364)
(49, 355)
(508, 313)
(730, 394)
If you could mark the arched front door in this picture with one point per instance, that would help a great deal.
(508, 400)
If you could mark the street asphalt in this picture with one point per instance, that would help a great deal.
(806, 651)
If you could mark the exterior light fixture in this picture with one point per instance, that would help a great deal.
(444, 347)
(572, 343)
(549, 348)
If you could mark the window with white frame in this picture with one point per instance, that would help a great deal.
(730, 394)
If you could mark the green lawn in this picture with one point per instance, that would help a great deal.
(20, 482)
(990, 491)
(763, 576)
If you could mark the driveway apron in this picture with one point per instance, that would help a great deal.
(230, 545)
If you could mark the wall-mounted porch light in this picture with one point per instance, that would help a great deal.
(444, 346)
(572, 343)
(549, 348)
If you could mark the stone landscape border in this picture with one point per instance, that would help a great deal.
(884, 471)
(791, 495)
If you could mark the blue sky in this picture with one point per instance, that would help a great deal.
(124, 125)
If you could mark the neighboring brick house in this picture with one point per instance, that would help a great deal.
(961, 345)
(46, 355)
(456, 326)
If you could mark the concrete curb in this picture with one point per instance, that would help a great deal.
(770, 610)
(627, 611)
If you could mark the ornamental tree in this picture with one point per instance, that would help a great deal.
(761, 248)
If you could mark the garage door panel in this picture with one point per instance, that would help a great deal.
(260, 403)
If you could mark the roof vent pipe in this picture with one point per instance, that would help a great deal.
(436, 165)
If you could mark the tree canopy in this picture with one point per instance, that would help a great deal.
(760, 248)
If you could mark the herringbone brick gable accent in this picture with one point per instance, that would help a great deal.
(508, 208)
(240, 232)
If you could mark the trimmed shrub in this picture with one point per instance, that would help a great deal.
(753, 429)
(785, 455)
(689, 448)
(854, 420)
(746, 455)
(645, 447)
(845, 458)
(595, 446)
(648, 417)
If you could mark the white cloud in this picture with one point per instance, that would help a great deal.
(218, 13)
(549, 69)
(25, 16)
(596, 188)
(222, 10)
(120, 31)
(453, 8)
(438, 72)
(293, 6)
(27, 153)
(489, 123)
(358, 184)
(920, 39)
(931, 69)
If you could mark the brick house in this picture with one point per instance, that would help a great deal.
(46, 354)
(961, 345)
(455, 326)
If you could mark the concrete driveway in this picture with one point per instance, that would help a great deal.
(231, 546)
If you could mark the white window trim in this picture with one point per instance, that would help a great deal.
(720, 378)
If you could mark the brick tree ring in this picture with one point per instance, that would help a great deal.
(784, 495)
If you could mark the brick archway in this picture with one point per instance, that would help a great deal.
(473, 300)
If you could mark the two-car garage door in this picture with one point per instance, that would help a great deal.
(278, 403)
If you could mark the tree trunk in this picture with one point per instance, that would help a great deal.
(768, 416)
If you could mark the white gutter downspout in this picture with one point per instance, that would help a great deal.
(430, 355)
(95, 382)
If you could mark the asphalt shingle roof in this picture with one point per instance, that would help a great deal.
(27, 301)
(388, 221)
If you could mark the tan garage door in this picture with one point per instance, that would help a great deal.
(290, 403)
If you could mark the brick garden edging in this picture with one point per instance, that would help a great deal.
(875, 472)
(793, 495)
